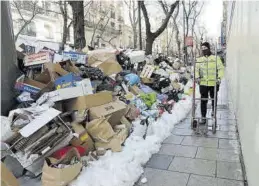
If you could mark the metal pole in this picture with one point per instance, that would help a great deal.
(167, 41)
(139, 25)
(184, 57)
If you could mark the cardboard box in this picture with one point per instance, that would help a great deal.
(135, 90)
(126, 122)
(67, 93)
(78, 128)
(39, 58)
(147, 80)
(114, 110)
(69, 66)
(89, 101)
(52, 176)
(115, 143)
(7, 177)
(75, 56)
(66, 81)
(109, 67)
(55, 70)
(28, 85)
(100, 130)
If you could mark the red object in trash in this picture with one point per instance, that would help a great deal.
(63, 151)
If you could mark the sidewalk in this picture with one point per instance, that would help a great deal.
(189, 160)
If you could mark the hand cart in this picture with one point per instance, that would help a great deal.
(195, 120)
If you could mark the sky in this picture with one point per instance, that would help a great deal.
(211, 16)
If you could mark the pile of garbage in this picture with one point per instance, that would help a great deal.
(74, 107)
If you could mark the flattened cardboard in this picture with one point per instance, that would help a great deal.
(114, 110)
(115, 143)
(89, 101)
(7, 177)
(39, 58)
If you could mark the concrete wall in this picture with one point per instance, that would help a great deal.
(243, 77)
(9, 71)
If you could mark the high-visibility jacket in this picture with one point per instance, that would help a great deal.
(207, 72)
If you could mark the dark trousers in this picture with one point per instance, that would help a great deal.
(205, 91)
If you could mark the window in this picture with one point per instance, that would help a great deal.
(48, 31)
(29, 30)
(113, 14)
(113, 24)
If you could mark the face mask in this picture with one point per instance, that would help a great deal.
(206, 52)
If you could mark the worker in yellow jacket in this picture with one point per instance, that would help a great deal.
(205, 70)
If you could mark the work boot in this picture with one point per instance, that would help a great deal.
(203, 121)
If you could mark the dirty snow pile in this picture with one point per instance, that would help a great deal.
(124, 168)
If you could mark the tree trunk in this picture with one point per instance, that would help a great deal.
(149, 45)
(135, 37)
(78, 23)
(65, 31)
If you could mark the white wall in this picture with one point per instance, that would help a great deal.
(243, 76)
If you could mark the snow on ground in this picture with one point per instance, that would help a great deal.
(124, 168)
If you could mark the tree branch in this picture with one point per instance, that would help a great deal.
(164, 24)
(145, 14)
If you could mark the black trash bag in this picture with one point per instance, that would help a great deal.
(183, 80)
(91, 72)
(173, 95)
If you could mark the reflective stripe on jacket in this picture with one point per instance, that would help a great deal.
(206, 70)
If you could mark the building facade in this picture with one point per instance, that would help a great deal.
(242, 38)
(104, 25)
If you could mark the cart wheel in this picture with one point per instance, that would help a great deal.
(214, 126)
(194, 124)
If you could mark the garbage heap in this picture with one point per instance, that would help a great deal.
(73, 107)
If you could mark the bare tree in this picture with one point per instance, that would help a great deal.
(34, 11)
(133, 16)
(188, 11)
(78, 24)
(151, 36)
(196, 12)
(66, 26)
(177, 39)
(99, 23)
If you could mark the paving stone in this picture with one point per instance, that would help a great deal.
(231, 128)
(196, 180)
(225, 182)
(223, 135)
(228, 144)
(178, 150)
(183, 125)
(159, 161)
(229, 170)
(157, 177)
(183, 132)
(218, 154)
(195, 166)
(226, 122)
(174, 139)
(200, 141)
